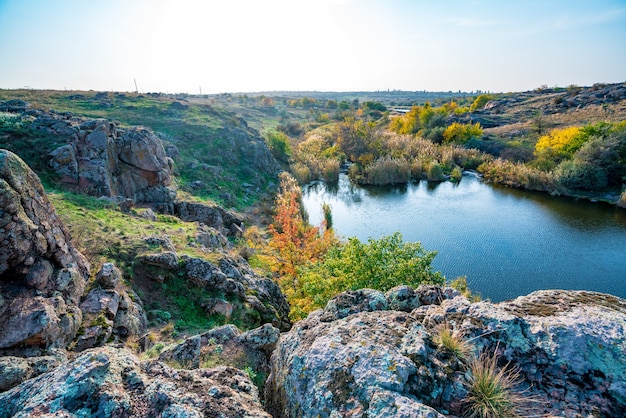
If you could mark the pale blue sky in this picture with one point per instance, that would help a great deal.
(342, 45)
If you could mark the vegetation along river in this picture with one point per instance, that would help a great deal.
(507, 242)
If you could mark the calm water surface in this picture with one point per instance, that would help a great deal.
(507, 242)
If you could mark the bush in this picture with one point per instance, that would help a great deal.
(434, 172)
(378, 264)
(579, 175)
(460, 133)
(279, 145)
(480, 102)
(517, 175)
(456, 175)
(330, 170)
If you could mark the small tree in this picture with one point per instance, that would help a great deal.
(480, 102)
(279, 145)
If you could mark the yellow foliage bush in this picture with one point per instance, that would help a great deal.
(557, 140)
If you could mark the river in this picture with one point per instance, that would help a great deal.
(507, 242)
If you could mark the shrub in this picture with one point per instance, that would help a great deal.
(579, 175)
(460, 133)
(434, 172)
(456, 175)
(517, 175)
(328, 215)
(559, 143)
(480, 102)
(330, 170)
(279, 145)
(301, 172)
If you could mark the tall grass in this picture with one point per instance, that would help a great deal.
(447, 338)
(493, 391)
(387, 170)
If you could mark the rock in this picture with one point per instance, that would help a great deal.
(220, 335)
(148, 214)
(569, 347)
(42, 275)
(167, 260)
(205, 274)
(109, 276)
(111, 381)
(163, 242)
(211, 238)
(351, 302)
(15, 370)
(213, 216)
(111, 313)
(231, 278)
(263, 338)
(402, 298)
(179, 106)
(103, 160)
(105, 302)
(185, 354)
(218, 306)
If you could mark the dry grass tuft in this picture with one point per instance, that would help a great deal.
(492, 391)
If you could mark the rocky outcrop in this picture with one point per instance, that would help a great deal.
(253, 298)
(213, 216)
(226, 345)
(42, 276)
(110, 381)
(373, 354)
(101, 159)
(111, 311)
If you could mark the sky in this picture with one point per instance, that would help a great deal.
(211, 46)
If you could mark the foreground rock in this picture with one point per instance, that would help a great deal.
(42, 276)
(108, 381)
(370, 354)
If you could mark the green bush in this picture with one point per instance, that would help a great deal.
(580, 175)
(279, 145)
(378, 264)
(435, 172)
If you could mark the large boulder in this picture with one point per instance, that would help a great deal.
(568, 346)
(99, 158)
(103, 160)
(42, 276)
(111, 381)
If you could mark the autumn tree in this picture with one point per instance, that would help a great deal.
(293, 241)
(460, 133)
(358, 140)
(480, 102)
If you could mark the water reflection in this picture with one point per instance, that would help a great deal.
(508, 242)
